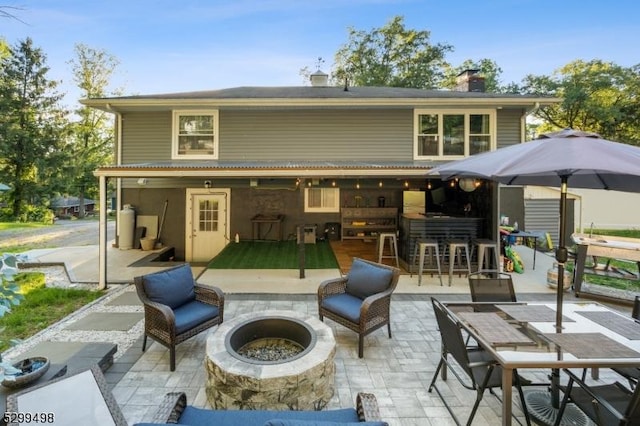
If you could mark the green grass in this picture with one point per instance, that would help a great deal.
(40, 308)
(273, 255)
(6, 226)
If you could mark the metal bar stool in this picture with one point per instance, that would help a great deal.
(421, 246)
(393, 246)
(455, 248)
(481, 246)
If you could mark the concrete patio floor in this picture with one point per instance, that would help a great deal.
(398, 370)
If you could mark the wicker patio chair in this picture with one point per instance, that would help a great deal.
(610, 404)
(176, 307)
(361, 300)
(481, 370)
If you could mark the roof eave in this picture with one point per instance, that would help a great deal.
(119, 105)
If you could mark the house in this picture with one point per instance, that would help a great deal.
(70, 206)
(223, 160)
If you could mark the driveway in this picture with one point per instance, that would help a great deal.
(64, 233)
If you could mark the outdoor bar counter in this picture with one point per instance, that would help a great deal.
(415, 225)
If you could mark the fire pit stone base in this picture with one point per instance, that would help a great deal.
(304, 383)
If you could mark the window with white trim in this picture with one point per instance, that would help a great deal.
(453, 133)
(195, 134)
(322, 200)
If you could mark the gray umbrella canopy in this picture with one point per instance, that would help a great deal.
(559, 159)
(584, 158)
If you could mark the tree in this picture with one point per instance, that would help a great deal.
(486, 67)
(598, 96)
(91, 143)
(32, 128)
(391, 56)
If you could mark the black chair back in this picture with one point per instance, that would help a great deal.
(491, 286)
(635, 314)
(451, 335)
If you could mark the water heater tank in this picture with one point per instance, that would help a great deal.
(127, 227)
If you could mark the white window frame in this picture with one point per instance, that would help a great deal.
(175, 129)
(334, 208)
(442, 112)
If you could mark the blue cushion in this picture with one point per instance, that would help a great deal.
(201, 416)
(365, 279)
(192, 314)
(344, 305)
(173, 287)
(292, 422)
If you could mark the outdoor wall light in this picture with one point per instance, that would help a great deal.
(333, 183)
(468, 184)
(428, 184)
(207, 184)
(142, 181)
(380, 184)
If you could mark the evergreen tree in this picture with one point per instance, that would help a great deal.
(32, 129)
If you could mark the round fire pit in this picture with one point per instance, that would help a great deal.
(277, 360)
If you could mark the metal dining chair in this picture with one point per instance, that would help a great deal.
(632, 374)
(491, 286)
(481, 370)
(610, 404)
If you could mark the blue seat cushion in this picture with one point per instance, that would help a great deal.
(173, 287)
(365, 279)
(344, 305)
(201, 416)
(295, 422)
(193, 314)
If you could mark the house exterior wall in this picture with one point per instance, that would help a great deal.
(373, 134)
(384, 134)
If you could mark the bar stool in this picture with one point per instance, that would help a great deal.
(393, 246)
(455, 248)
(481, 246)
(422, 245)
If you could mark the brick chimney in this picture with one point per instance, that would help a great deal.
(470, 81)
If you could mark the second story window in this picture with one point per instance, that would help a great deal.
(453, 134)
(195, 134)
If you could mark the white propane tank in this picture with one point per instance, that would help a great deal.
(127, 227)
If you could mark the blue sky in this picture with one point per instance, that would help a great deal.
(183, 45)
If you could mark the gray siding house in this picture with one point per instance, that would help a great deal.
(220, 158)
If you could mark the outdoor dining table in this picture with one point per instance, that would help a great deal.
(524, 336)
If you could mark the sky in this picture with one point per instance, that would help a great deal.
(186, 45)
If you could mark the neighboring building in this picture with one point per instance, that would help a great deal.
(70, 206)
(217, 158)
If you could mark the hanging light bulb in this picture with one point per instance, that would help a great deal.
(380, 184)
(406, 183)
(309, 184)
(452, 183)
(333, 183)
(428, 184)
(358, 185)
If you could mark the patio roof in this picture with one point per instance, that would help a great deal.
(284, 168)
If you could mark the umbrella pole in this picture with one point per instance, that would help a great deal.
(561, 257)
(544, 406)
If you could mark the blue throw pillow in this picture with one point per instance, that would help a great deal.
(173, 287)
(365, 279)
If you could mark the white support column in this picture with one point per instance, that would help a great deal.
(102, 256)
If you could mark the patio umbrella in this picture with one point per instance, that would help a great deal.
(568, 157)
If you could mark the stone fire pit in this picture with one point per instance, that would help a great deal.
(304, 381)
